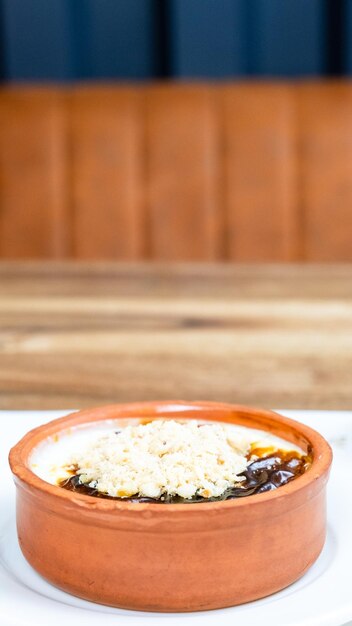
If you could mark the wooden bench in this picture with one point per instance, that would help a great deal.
(241, 171)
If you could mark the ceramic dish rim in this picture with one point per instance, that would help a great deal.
(20, 452)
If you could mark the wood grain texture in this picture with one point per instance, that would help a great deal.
(244, 172)
(324, 124)
(74, 335)
(33, 173)
(260, 172)
(184, 206)
(107, 173)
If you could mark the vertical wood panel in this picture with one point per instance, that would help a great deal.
(260, 172)
(107, 173)
(33, 153)
(149, 171)
(183, 177)
(325, 127)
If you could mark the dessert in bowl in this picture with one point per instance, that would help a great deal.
(171, 506)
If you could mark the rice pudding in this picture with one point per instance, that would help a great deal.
(168, 460)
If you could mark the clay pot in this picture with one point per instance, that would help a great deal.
(176, 557)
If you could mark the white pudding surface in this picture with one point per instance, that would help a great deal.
(173, 456)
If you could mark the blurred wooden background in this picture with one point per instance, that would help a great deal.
(84, 334)
(243, 172)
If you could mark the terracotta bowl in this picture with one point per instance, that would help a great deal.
(176, 557)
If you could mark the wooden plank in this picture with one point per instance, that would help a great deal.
(74, 335)
(325, 130)
(225, 281)
(260, 172)
(183, 176)
(107, 173)
(33, 171)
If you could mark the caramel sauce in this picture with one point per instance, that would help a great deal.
(266, 473)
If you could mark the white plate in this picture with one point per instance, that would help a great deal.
(321, 598)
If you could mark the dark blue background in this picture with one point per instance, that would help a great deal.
(141, 39)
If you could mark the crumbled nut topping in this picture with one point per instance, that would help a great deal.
(165, 456)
